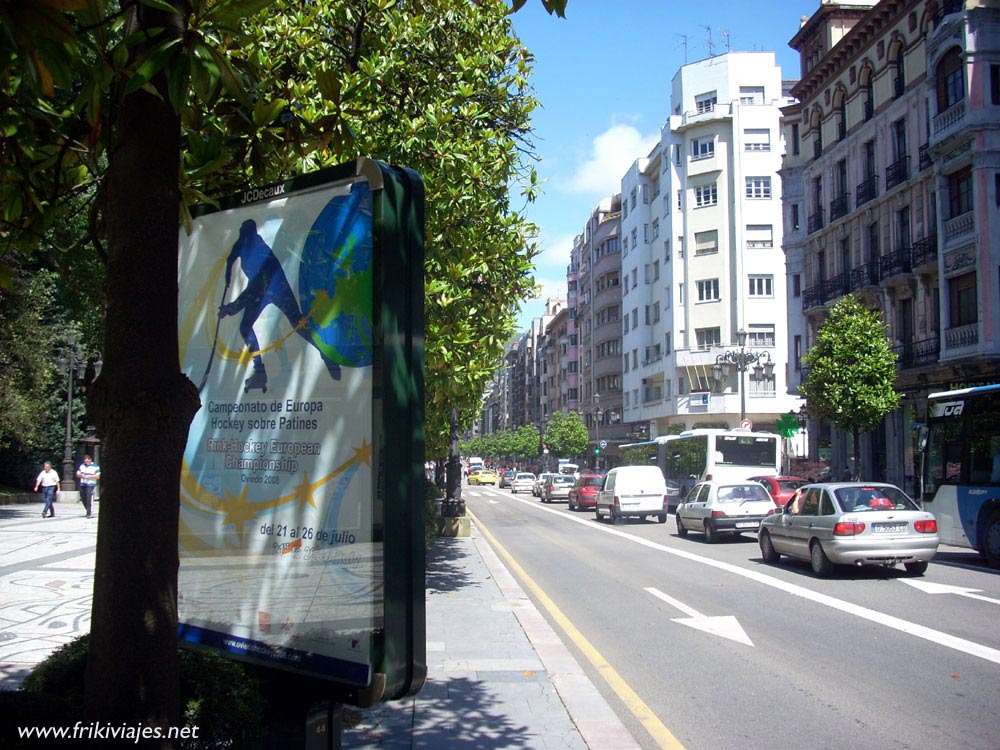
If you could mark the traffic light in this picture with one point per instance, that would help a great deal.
(596, 451)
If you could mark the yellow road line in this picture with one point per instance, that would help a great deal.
(660, 734)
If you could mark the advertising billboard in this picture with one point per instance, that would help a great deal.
(301, 528)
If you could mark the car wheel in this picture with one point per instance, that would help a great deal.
(767, 550)
(991, 540)
(682, 530)
(711, 535)
(615, 518)
(916, 568)
(662, 518)
(821, 564)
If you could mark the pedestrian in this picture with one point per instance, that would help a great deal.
(88, 474)
(48, 480)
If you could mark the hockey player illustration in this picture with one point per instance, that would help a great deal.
(334, 315)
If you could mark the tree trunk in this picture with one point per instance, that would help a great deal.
(856, 432)
(142, 406)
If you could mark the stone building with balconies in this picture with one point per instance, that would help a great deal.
(895, 146)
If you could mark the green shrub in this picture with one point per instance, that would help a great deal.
(217, 695)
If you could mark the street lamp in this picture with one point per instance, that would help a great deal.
(742, 358)
(597, 430)
(72, 362)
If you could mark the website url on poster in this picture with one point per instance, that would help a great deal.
(97, 730)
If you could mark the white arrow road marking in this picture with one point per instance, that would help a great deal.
(725, 626)
(942, 588)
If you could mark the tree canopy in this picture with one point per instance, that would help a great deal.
(852, 370)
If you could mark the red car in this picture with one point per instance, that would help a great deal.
(780, 489)
(583, 493)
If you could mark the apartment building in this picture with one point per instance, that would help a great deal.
(703, 272)
(598, 321)
(892, 189)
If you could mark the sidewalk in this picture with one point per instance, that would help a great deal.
(498, 675)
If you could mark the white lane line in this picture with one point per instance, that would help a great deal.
(897, 623)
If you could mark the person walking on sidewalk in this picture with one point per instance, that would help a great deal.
(48, 480)
(88, 474)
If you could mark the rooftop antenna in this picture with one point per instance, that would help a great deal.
(684, 41)
(725, 36)
(710, 43)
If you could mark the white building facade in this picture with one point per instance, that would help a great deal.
(701, 255)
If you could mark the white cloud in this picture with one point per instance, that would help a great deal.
(613, 152)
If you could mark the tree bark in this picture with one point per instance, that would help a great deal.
(142, 405)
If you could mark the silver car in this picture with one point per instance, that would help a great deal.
(718, 508)
(557, 486)
(536, 488)
(851, 523)
(523, 481)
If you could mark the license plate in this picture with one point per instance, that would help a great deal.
(747, 524)
(888, 528)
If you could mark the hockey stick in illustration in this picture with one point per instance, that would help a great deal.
(215, 343)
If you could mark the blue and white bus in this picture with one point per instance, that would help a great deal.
(726, 455)
(961, 476)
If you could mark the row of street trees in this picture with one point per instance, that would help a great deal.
(565, 437)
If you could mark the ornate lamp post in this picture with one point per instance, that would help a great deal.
(72, 362)
(742, 358)
(597, 430)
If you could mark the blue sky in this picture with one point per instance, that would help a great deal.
(602, 76)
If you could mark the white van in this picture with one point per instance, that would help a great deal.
(633, 491)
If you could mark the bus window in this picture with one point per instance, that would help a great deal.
(943, 455)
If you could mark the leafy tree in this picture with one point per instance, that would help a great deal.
(527, 442)
(566, 435)
(126, 98)
(852, 371)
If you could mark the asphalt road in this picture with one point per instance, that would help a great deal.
(729, 652)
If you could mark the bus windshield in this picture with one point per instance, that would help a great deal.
(961, 473)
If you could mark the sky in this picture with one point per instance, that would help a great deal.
(602, 76)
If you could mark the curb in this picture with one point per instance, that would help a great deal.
(19, 498)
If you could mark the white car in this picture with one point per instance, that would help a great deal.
(536, 488)
(524, 481)
(718, 508)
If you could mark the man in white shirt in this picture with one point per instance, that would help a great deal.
(48, 480)
(88, 474)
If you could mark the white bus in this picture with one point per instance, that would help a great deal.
(961, 472)
(692, 456)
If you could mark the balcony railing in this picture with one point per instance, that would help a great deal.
(815, 222)
(838, 207)
(897, 172)
(925, 251)
(918, 353)
(949, 118)
(811, 297)
(924, 159)
(962, 336)
(836, 287)
(866, 191)
(895, 263)
(960, 225)
(865, 275)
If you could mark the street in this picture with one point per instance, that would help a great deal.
(729, 652)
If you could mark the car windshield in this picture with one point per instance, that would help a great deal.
(562, 479)
(790, 485)
(526, 476)
(741, 493)
(859, 499)
(592, 482)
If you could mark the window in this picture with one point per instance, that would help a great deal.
(702, 148)
(757, 139)
(796, 285)
(680, 294)
(795, 139)
(751, 94)
(899, 82)
(798, 352)
(625, 326)
(796, 220)
(632, 199)
(760, 235)
(656, 312)
(950, 80)
(705, 102)
(648, 316)
(708, 290)
(960, 192)
(656, 270)
(635, 317)
(666, 344)
(635, 277)
(962, 300)
(761, 286)
(635, 237)
(645, 233)
(760, 335)
(706, 195)
(708, 337)
(706, 243)
(759, 187)
(656, 229)
(995, 84)
(680, 196)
